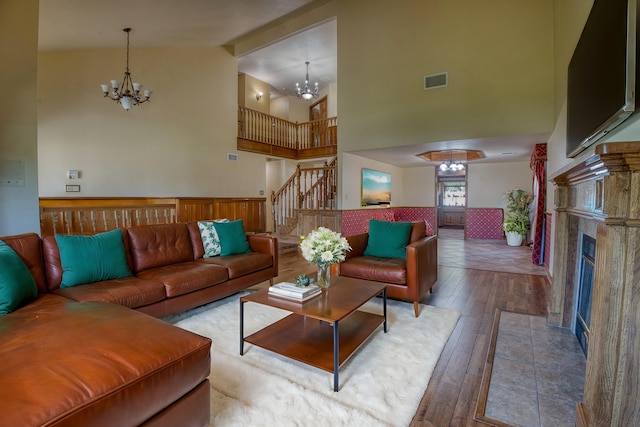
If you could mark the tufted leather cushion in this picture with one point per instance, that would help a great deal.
(159, 245)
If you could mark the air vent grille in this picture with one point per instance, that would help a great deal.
(232, 157)
(436, 80)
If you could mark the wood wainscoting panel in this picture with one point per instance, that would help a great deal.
(196, 209)
(93, 215)
(96, 215)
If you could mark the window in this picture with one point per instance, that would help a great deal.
(454, 193)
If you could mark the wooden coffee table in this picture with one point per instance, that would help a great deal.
(324, 331)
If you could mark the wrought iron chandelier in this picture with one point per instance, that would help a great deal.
(307, 94)
(126, 94)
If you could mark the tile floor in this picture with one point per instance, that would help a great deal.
(494, 255)
(538, 373)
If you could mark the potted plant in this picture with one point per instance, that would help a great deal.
(516, 223)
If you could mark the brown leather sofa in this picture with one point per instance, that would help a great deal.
(170, 275)
(407, 279)
(81, 356)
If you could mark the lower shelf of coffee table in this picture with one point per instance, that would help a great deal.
(310, 340)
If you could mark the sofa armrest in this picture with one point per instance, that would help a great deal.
(265, 244)
(358, 243)
(422, 265)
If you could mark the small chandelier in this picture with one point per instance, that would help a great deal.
(307, 94)
(126, 94)
(451, 165)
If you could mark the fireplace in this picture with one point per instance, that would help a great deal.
(595, 288)
(585, 284)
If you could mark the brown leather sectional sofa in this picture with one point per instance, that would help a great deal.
(87, 355)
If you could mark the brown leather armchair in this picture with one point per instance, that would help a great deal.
(407, 279)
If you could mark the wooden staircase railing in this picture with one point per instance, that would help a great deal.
(309, 188)
(265, 134)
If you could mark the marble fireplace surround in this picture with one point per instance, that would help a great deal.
(600, 197)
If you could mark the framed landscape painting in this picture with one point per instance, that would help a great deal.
(376, 188)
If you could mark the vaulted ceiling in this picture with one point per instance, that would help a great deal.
(98, 24)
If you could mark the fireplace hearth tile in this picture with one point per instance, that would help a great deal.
(538, 373)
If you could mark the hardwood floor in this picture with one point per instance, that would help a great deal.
(450, 398)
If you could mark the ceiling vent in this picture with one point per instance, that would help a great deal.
(436, 80)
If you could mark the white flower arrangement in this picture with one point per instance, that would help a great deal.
(323, 246)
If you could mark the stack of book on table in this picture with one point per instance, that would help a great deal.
(294, 292)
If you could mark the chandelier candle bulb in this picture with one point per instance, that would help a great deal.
(105, 88)
(115, 84)
(137, 87)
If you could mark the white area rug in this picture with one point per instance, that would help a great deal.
(381, 385)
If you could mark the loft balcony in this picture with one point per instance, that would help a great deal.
(269, 135)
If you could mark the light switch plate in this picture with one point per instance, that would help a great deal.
(73, 188)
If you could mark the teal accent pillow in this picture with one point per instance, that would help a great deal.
(89, 259)
(17, 285)
(388, 239)
(233, 239)
(210, 239)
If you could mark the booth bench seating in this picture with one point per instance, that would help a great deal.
(408, 278)
(94, 354)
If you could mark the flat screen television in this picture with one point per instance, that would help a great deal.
(602, 74)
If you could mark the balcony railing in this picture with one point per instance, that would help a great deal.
(261, 133)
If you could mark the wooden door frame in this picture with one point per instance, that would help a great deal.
(439, 195)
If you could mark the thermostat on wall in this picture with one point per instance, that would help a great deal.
(72, 174)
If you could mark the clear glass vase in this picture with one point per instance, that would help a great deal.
(323, 278)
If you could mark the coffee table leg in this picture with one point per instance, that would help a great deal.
(384, 308)
(241, 327)
(336, 354)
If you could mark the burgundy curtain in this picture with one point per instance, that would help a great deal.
(538, 163)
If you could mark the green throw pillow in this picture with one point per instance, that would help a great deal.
(388, 239)
(233, 239)
(88, 259)
(210, 239)
(17, 285)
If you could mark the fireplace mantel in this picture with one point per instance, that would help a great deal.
(602, 194)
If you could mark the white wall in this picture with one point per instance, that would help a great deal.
(419, 186)
(279, 107)
(351, 180)
(18, 116)
(487, 182)
(175, 145)
(498, 55)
